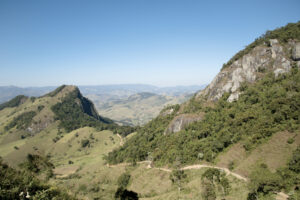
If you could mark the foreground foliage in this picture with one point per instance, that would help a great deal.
(18, 184)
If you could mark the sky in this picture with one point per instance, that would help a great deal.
(158, 42)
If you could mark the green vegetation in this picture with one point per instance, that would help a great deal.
(71, 114)
(283, 34)
(18, 184)
(123, 180)
(122, 193)
(18, 100)
(194, 105)
(264, 108)
(38, 164)
(138, 146)
(264, 183)
(22, 121)
(178, 177)
(294, 164)
(85, 143)
(212, 179)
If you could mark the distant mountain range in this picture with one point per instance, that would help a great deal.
(105, 91)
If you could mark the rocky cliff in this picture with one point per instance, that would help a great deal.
(276, 51)
(268, 57)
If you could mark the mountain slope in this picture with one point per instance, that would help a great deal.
(254, 97)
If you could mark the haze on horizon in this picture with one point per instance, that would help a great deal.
(157, 42)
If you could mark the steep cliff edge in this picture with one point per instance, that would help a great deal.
(276, 51)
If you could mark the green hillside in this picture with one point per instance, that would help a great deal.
(264, 109)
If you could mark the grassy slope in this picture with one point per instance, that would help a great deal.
(274, 152)
(89, 177)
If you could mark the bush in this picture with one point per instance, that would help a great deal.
(123, 194)
(294, 164)
(264, 182)
(85, 143)
(123, 180)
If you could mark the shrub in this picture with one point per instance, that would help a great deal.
(85, 143)
(123, 180)
(294, 164)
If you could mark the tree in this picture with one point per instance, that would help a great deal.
(178, 177)
(123, 180)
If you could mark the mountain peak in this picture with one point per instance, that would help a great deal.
(62, 90)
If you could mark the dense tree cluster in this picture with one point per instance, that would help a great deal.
(22, 121)
(18, 100)
(213, 179)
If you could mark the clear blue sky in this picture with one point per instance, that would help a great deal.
(160, 42)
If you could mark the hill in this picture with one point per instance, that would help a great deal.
(254, 99)
(63, 110)
(39, 135)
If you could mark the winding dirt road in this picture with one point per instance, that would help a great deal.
(189, 167)
(121, 139)
(280, 195)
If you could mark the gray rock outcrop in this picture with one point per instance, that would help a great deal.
(296, 52)
(180, 121)
(251, 67)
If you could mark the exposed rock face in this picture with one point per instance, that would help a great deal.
(251, 67)
(180, 121)
(296, 52)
